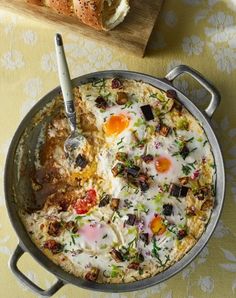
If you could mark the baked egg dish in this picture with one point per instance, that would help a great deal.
(138, 196)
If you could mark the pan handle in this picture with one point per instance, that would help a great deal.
(13, 265)
(215, 95)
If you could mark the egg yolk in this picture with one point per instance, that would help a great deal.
(116, 124)
(163, 164)
(157, 226)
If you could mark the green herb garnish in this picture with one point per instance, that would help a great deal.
(186, 169)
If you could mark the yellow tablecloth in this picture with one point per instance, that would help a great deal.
(199, 33)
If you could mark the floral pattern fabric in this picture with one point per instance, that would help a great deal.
(198, 33)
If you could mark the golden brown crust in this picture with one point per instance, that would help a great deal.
(64, 7)
(94, 13)
(89, 12)
(36, 2)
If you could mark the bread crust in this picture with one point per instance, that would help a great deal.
(90, 12)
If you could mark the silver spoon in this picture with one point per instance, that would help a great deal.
(76, 140)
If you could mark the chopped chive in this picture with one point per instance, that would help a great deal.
(120, 141)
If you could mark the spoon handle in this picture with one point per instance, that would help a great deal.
(65, 82)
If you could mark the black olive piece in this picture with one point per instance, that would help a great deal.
(140, 257)
(175, 190)
(171, 94)
(118, 169)
(104, 201)
(81, 161)
(92, 275)
(144, 186)
(184, 152)
(116, 255)
(101, 103)
(202, 193)
(147, 112)
(167, 209)
(147, 158)
(181, 234)
(131, 219)
(183, 191)
(133, 265)
(116, 83)
(145, 238)
(133, 171)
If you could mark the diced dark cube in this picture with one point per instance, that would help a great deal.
(140, 257)
(167, 209)
(92, 274)
(118, 169)
(131, 219)
(101, 103)
(134, 266)
(144, 186)
(133, 171)
(116, 84)
(105, 201)
(147, 158)
(175, 190)
(181, 234)
(171, 94)
(116, 255)
(114, 204)
(164, 130)
(184, 152)
(81, 161)
(147, 112)
(145, 238)
(184, 191)
(142, 177)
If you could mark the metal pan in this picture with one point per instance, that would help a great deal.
(18, 189)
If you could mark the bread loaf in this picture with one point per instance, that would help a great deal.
(99, 14)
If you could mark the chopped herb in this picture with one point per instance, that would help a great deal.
(72, 238)
(142, 208)
(127, 105)
(99, 83)
(127, 203)
(129, 163)
(121, 147)
(139, 122)
(140, 271)
(153, 95)
(175, 153)
(121, 140)
(190, 140)
(105, 236)
(157, 199)
(166, 187)
(193, 150)
(103, 246)
(116, 271)
(182, 123)
(186, 169)
(204, 144)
